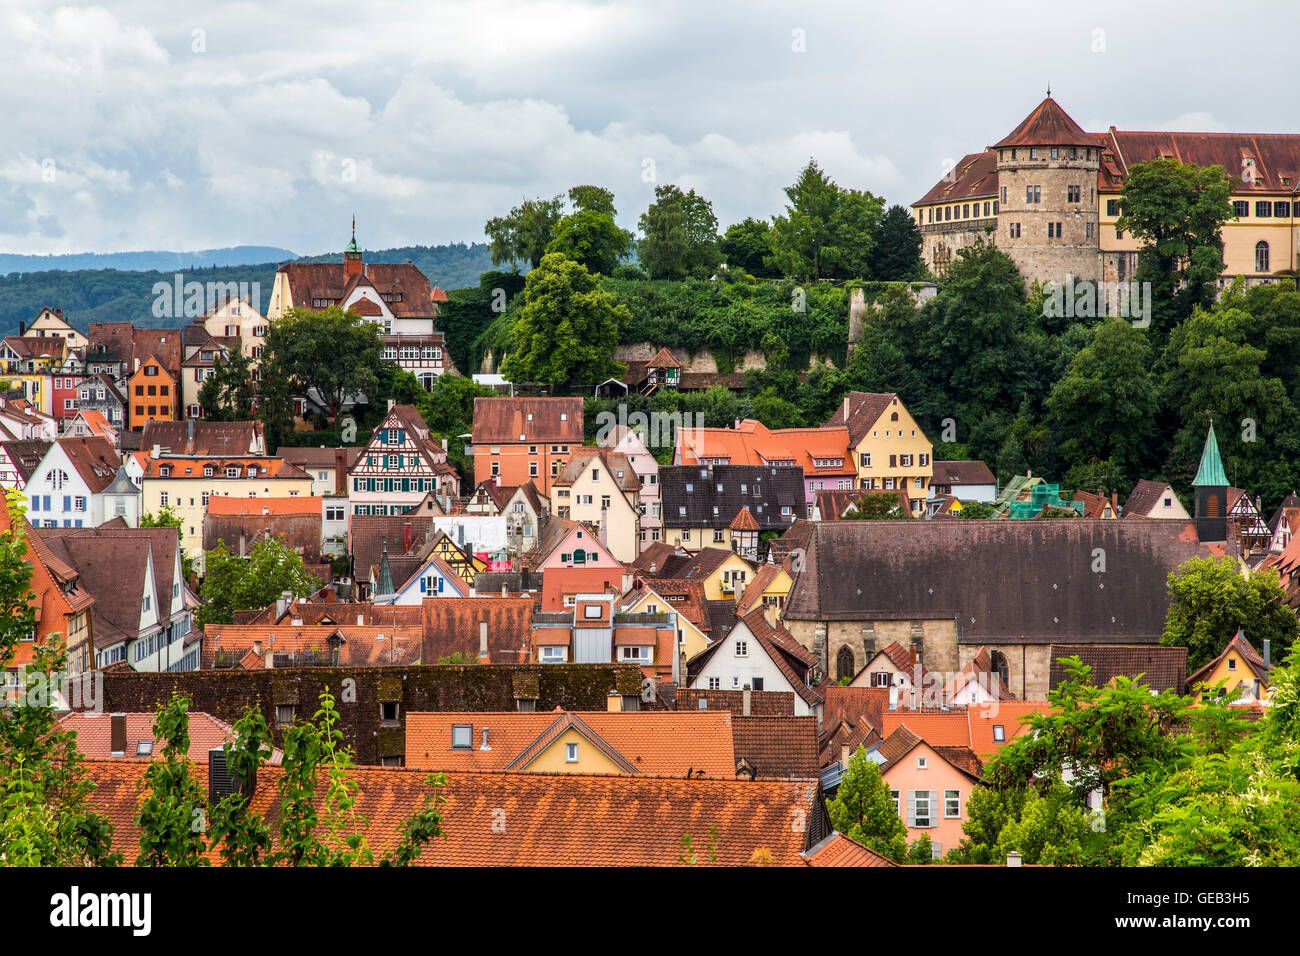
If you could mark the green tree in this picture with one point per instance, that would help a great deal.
(976, 510)
(863, 809)
(680, 236)
(1051, 829)
(523, 235)
(897, 254)
(827, 231)
(44, 819)
(1210, 598)
(231, 583)
(589, 234)
(921, 852)
(229, 392)
(1177, 211)
(567, 329)
(332, 351)
(1104, 406)
(747, 245)
(172, 815)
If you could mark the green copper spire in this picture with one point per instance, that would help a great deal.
(1211, 473)
(352, 246)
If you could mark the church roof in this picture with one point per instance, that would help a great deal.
(1211, 472)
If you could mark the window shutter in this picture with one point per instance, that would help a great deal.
(893, 461)
(423, 586)
(911, 808)
(934, 807)
(401, 436)
(385, 459)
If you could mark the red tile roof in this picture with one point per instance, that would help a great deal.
(839, 850)
(283, 505)
(502, 421)
(1047, 125)
(508, 819)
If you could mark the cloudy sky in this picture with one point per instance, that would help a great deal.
(163, 124)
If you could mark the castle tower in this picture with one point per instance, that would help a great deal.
(1047, 185)
(1211, 489)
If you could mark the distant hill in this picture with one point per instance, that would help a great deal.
(145, 261)
(118, 295)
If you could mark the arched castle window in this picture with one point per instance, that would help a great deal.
(1261, 256)
(998, 662)
(844, 664)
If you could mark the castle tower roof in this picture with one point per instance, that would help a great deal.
(1047, 125)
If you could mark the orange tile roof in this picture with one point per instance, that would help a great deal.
(656, 743)
(193, 467)
(753, 443)
(361, 645)
(539, 819)
(94, 733)
(275, 505)
(839, 850)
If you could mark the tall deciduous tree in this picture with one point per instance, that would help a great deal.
(567, 329)
(747, 245)
(827, 231)
(863, 809)
(680, 236)
(523, 235)
(1177, 211)
(232, 583)
(589, 234)
(333, 351)
(1209, 599)
(228, 394)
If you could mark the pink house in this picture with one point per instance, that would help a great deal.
(930, 785)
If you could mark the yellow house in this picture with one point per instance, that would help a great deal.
(722, 572)
(889, 449)
(1240, 667)
(184, 484)
(50, 323)
(599, 488)
(770, 588)
(653, 743)
(690, 639)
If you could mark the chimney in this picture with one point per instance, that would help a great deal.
(1013, 858)
(117, 731)
(846, 408)
(1268, 653)
(627, 581)
(505, 589)
(257, 648)
(282, 603)
(482, 642)
(22, 327)
(484, 745)
(361, 619)
(189, 441)
(59, 313)
(746, 701)
(844, 756)
(155, 452)
(406, 537)
(340, 471)
(893, 697)
(391, 403)
(614, 702)
(243, 545)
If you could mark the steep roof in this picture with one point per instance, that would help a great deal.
(542, 420)
(1047, 125)
(452, 625)
(960, 570)
(1146, 494)
(776, 746)
(791, 658)
(1210, 473)
(327, 280)
(1165, 668)
(839, 850)
(958, 473)
(205, 439)
(94, 733)
(94, 458)
(859, 411)
(552, 819)
(710, 496)
(1275, 156)
(1243, 649)
(358, 646)
(26, 454)
(974, 177)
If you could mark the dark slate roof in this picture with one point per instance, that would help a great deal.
(205, 439)
(777, 746)
(695, 488)
(1165, 667)
(1002, 581)
(962, 473)
(1146, 494)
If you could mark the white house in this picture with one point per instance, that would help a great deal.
(66, 489)
(432, 578)
(761, 657)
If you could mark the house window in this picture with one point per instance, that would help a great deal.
(715, 683)
(717, 535)
(920, 763)
(1013, 230)
(921, 810)
(553, 655)
(894, 793)
(999, 732)
(462, 736)
(232, 471)
(1232, 663)
(1072, 193)
(162, 499)
(388, 711)
(570, 753)
(951, 803)
(284, 715)
(742, 648)
(1033, 194)
(1261, 256)
(1264, 209)
(635, 655)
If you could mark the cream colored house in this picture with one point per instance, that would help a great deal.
(51, 323)
(185, 484)
(235, 318)
(599, 487)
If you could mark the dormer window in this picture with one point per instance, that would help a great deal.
(232, 471)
